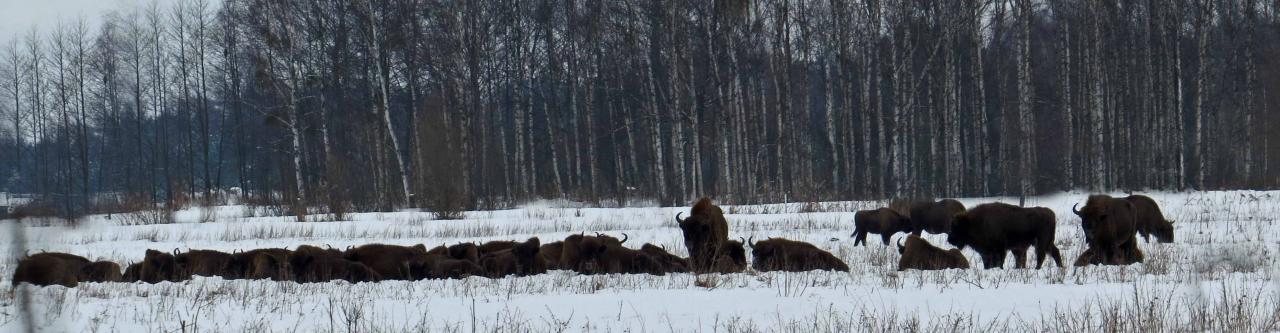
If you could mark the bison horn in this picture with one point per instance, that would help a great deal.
(1074, 210)
(175, 251)
(678, 220)
(901, 248)
(624, 238)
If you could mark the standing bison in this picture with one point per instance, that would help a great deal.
(919, 254)
(1110, 229)
(705, 234)
(934, 217)
(883, 221)
(994, 229)
(1150, 221)
(779, 254)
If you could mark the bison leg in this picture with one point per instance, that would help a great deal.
(885, 238)
(860, 236)
(1052, 251)
(1019, 258)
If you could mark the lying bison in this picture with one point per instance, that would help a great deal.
(1109, 226)
(705, 233)
(520, 259)
(313, 264)
(159, 266)
(101, 271)
(550, 253)
(443, 267)
(919, 254)
(47, 269)
(732, 258)
(1130, 255)
(670, 263)
(258, 264)
(392, 262)
(883, 221)
(204, 263)
(778, 254)
(1150, 221)
(465, 251)
(934, 217)
(994, 229)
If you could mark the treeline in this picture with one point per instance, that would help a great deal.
(382, 104)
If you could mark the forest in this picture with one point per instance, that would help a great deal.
(376, 105)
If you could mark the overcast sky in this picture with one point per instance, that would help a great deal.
(17, 17)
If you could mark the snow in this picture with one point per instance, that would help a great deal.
(1218, 276)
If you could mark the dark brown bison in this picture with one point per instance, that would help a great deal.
(1109, 225)
(550, 253)
(670, 262)
(622, 260)
(313, 264)
(465, 251)
(521, 259)
(994, 229)
(934, 216)
(131, 273)
(583, 254)
(101, 271)
(883, 221)
(779, 254)
(391, 262)
(50, 268)
(260, 264)
(705, 233)
(445, 267)
(1130, 255)
(159, 266)
(204, 263)
(494, 246)
(919, 254)
(732, 258)
(1150, 221)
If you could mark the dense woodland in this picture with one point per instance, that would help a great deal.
(442, 104)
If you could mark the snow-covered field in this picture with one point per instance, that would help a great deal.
(1218, 276)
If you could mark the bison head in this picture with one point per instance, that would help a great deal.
(526, 255)
(960, 230)
(591, 252)
(1164, 232)
(697, 233)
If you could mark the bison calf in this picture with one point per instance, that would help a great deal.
(883, 221)
(778, 254)
(919, 254)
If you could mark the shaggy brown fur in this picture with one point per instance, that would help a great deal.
(1109, 226)
(919, 254)
(670, 263)
(705, 233)
(392, 262)
(779, 254)
(883, 221)
(50, 268)
(934, 217)
(1150, 221)
(995, 229)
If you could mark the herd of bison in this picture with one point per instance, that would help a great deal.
(1110, 226)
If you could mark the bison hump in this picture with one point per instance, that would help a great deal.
(702, 207)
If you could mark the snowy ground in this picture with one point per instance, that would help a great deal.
(1218, 276)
